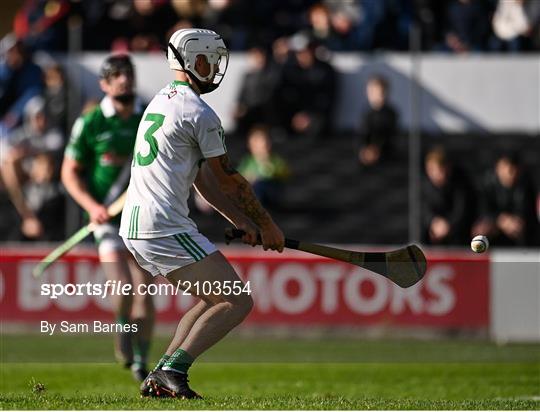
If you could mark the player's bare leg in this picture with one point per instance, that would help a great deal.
(210, 320)
(142, 314)
(115, 267)
(185, 325)
(224, 312)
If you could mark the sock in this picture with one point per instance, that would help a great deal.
(124, 341)
(161, 362)
(180, 361)
(140, 352)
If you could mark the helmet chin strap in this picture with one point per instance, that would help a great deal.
(202, 86)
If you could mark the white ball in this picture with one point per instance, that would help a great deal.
(479, 244)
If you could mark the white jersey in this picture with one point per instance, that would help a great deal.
(177, 130)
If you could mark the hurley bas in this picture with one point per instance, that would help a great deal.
(93, 327)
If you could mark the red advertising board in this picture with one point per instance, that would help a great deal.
(288, 289)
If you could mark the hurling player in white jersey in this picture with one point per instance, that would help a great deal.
(180, 143)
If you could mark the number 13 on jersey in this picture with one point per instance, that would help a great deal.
(149, 138)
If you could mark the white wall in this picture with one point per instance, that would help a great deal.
(491, 93)
(515, 296)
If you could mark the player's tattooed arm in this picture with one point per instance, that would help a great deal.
(226, 165)
(239, 191)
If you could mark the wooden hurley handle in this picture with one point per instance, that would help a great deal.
(232, 233)
(116, 207)
(404, 267)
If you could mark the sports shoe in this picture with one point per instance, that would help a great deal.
(167, 384)
(139, 372)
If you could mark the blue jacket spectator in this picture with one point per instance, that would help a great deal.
(20, 80)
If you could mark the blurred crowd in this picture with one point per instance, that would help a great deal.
(501, 205)
(33, 129)
(340, 25)
(287, 93)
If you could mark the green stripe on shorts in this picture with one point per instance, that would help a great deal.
(130, 231)
(190, 240)
(134, 222)
(137, 221)
(187, 248)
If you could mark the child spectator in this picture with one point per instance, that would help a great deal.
(265, 170)
(379, 124)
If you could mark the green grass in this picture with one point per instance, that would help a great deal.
(279, 374)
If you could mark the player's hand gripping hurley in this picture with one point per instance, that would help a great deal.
(405, 266)
(113, 209)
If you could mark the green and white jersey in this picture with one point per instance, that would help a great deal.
(103, 143)
(177, 131)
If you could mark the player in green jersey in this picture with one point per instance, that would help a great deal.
(95, 171)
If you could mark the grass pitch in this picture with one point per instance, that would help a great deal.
(76, 372)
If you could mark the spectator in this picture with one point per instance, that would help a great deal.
(33, 139)
(532, 9)
(102, 22)
(516, 26)
(228, 17)
(265, 170)
(321, 29)
(257, 91)
(192, 10)
(146, 23)
(510, 26)
(281, 51)
(42, 24)
(394, 28)
(44, 197)
(429, 16)
(56, 99)
(306, 92)
(20, 80)
(36, 135)
(508, 205)
(467, 26)
(379, 124)
(448, 201)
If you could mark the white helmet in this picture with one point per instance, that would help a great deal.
(186, 44)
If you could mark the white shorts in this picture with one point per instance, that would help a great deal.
(107, 238)
(162, 255)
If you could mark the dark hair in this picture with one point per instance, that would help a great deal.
(511, 157)
(438, 156)
(380, 80)
(116, 63)
(259, 128)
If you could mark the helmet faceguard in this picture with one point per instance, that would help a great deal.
(184, 47)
